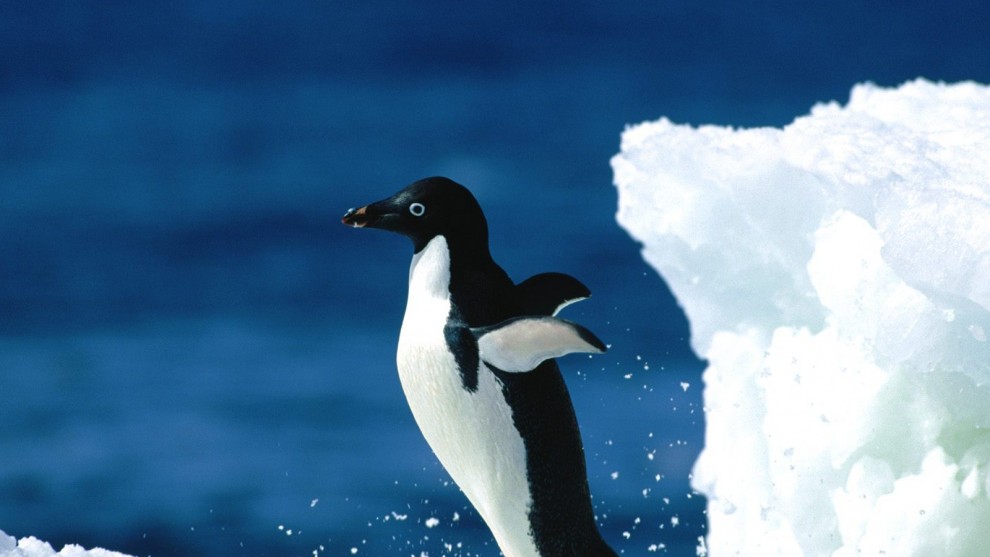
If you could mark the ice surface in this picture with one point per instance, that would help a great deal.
(33, 547)
(836, 276)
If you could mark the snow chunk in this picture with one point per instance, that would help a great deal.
(835, 276)
(33, 547)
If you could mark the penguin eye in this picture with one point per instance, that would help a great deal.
(417, 209)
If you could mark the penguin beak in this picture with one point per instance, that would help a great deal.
(358, 218)
(381, 214)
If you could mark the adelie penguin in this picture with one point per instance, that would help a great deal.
(476, 362)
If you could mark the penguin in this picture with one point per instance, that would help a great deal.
(476, 363)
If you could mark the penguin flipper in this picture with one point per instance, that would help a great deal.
(522, 343)
(548, 293)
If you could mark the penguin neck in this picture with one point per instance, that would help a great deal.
(464, 273)
(429, 272)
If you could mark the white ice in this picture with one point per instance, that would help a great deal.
(33, 547)
(836, 277)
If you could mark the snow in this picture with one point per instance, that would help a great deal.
(33, 547)
(835, 277)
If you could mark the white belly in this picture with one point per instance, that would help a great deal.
(471, 432)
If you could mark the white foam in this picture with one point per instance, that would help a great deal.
(33, 547)
(836, 276)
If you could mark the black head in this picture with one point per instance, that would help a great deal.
(424, 210)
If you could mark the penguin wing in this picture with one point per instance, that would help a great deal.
(522, 343)
(548, 293)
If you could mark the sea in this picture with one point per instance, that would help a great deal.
(197, 357)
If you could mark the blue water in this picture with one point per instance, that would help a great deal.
(196, 358)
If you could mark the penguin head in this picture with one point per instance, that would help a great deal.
(426, 209)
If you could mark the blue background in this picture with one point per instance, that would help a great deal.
(197, 358)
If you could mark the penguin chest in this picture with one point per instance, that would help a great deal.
(471, 431)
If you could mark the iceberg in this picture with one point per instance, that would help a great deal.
(836, 277)
(33, 547)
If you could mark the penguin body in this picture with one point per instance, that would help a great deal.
(475, 360)
(466, 422)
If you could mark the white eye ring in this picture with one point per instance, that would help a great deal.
(417, 209)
